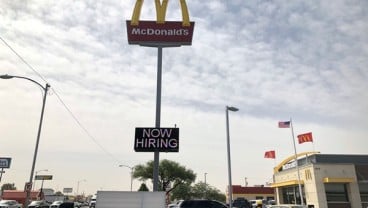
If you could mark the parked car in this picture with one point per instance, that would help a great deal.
(269, 203)
(241, 202)
(288, 206)
(256, 203)
(56, 204)
(197, 203)
(174, 205)
(39, 204)
(92, 203)
(67, 205)
(10, 204)
(77, 204)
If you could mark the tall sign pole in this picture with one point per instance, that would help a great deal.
(1, 173)
(156, 161)
(160, 34)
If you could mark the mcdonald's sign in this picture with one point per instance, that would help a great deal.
(160, 32)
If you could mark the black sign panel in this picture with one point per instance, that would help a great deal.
(156, 139)
(5, 162)
(43, 177)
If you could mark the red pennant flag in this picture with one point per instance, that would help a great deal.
(270, 154)
(307, 137)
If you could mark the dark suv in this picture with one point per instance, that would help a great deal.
(201, 203)
(241, 203)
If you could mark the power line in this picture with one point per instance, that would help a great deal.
(24, 61)
(63, 103)
(83, 128)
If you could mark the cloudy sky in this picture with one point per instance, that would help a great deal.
(274, 60)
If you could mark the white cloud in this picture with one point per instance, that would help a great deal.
(272, 59)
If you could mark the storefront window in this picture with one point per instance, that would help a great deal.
(363, 188)
(336, 192)
(291, 195)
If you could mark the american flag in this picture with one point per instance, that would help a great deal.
(284, 124)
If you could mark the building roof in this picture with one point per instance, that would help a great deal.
(237, 189)
(14, 194)
(317, 158)
(336, 158)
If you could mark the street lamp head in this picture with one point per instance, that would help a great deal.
(5, 76)
(126, 166)
(231, 108)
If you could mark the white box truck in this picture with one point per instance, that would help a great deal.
(130, 199)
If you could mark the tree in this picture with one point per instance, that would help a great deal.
(171, 174)
(58, 193)
(197, 191)
(143, 187)
(182, 191)
(203, 190)
(8, 186)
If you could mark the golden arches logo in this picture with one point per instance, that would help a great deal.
(161, 8)
(308, 175)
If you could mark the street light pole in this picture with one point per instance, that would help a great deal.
(205, 179)
(34, 180)
(84, 180)
(131, 175)
(228, 153)
(39, 129)
(205, 185)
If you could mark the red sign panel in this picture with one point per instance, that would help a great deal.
(169, 33)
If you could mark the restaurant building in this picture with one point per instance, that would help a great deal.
(326, 180)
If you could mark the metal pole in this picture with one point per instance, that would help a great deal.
(297, 166)
(1, 173)
(156, 162)
(84, 180)
(34, 180)
(131, 179)
(228, 154)
(205, 179)
(131, 175)
(42, 184)
(37, 142)
(77, 187)
(205, 185)
(29, 188)
(39, 129)
(229, 159)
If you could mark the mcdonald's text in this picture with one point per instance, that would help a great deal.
(153, 34)
(165, 32)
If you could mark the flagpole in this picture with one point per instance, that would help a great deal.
(296, 161)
